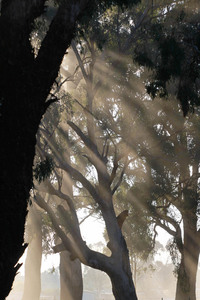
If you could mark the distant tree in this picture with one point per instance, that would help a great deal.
(157, 284)
(166, 190)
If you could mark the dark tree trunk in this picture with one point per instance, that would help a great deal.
(71, 284)
(25, 82)
(32, 283)
(17, 154)
(121, 276)
(122, 286)
(186, 282)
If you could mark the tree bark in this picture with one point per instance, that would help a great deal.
(71, 284)
(186, 282)
(32, 283)
(122, 286)
(121, 279)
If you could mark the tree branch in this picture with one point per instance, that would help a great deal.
(166, 228)
(52, 191)
(120, 178)
(87, 141)
(131, 38)
(80, 62)
(119, 181)
(76, 175)
(115, 166)
(95, 158)
(69, 245)
(60, 247)
(77, 248)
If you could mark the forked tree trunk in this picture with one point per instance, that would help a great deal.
(186, 282)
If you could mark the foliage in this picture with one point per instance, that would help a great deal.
(43, 169)
(137, 227)
(173, 55)
(175, 255)
(48, 235)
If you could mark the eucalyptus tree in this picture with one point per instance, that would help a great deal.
(97, 150)
(174, 59)
(93, 153)
(166, 192)
(98, 138)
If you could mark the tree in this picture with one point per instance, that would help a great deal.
(26, 81)
(90, 147)
(101, 189)
(167, 188)
(174, 59)
(172, 63)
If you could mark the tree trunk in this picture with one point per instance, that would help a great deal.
(17, 153)
(71, 284)
(122, 286)
(25, 83)
(186, 282)
(121, 276)
(32, 283)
